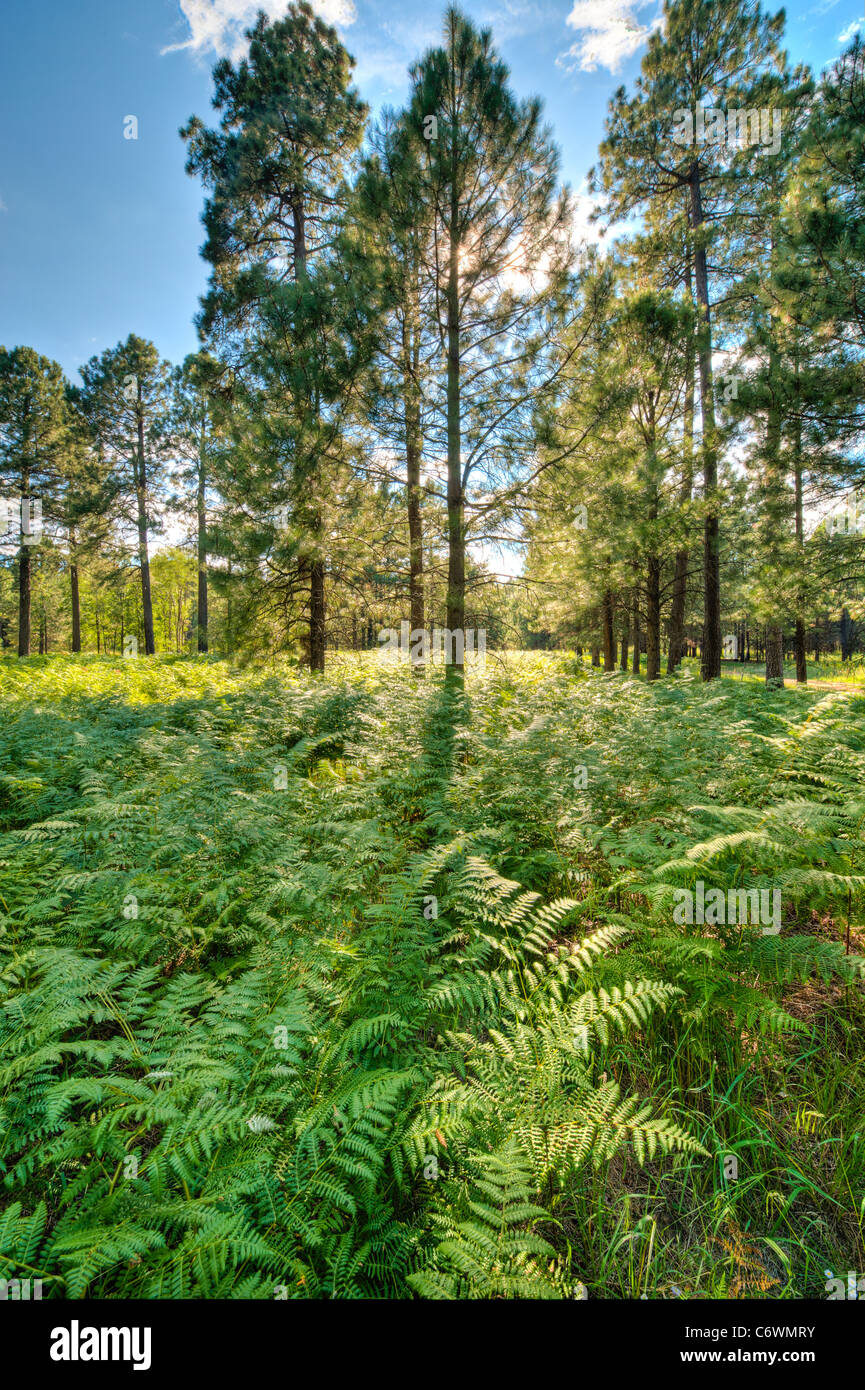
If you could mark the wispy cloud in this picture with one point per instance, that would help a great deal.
(585, 231)
(853, 28)
(380, 63)
(512, 19)
(609, 33)
(385, 51)
(218, 26)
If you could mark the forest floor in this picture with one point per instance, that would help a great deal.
(365, 985)
(828, 675)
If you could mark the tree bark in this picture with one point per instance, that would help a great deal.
(201, 511)
(680, 571)
(845, 634)
(773, 513)
(317, 625)
(799, 641)
(455, 620)
(229, 617)
(316, 616)
(774, 655)
(143, 557)
(711, 644)
(24, 587)
(653, 618)
(411, 364)
(609, 640)
(76, 606)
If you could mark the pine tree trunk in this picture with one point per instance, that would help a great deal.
(24, 586)
(229, 618)
(773, 514)
(799, 643)
(76, 607)
(653, 618)
(711, 644)
(677, 610)
(635, 665)
(455, 620)
(680, 571)
(609, 641)
(596, 655)
(317, 567)
(201, 511)
(845, 634)
(143, 556)
(623, 659)
(411, 351)
(317, 616)
(799, 648)
(774, 656)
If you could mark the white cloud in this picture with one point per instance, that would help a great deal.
(380, 62)
(385, 51)
(609, 34)
(587, 233)
(3, 207)
(511, 19)
(218, 25)
(847, 34)
(584, 229)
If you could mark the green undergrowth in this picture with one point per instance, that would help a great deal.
(370, 986)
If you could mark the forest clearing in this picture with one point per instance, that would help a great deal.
(344, 986)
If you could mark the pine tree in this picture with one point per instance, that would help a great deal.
(196, 423)
(34, 435)
(84, 504)
(827, 202)
(396, 226)
(276, 169)
(126, 400)
(709, 50)
(498, 259)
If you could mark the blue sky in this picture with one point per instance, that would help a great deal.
(99, 235)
